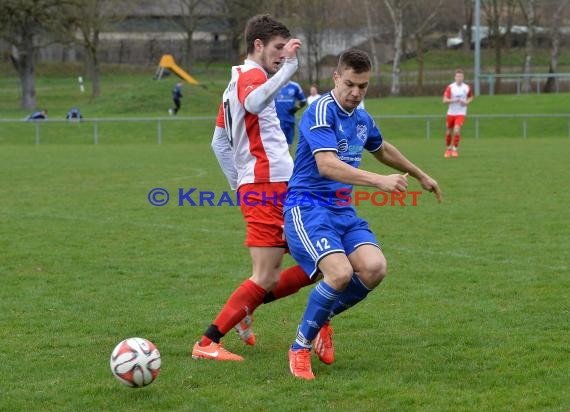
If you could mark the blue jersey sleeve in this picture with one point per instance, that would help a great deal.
(300, 95)
(374, 141)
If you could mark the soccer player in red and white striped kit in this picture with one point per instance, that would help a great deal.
(457, 95)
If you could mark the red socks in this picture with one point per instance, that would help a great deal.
(290, 281)
(447, 140)
(248, 295)
(456, 139)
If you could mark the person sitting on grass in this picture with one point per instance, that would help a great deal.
(74, 115)
(38, 115)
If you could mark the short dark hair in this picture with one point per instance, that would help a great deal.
(458, 71)
(263, 27)
(354, 59)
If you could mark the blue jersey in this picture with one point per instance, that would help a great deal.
(177, 92)
(326, 126)
(286, 99)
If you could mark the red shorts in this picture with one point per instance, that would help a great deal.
(262, 208)
(455, 120)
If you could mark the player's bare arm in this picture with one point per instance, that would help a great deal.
(331, 167)
(392, 157)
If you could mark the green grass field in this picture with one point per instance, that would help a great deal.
(473, 316)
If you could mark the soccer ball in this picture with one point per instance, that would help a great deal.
(135, 362)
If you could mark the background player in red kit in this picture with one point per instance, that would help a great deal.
(457, 95)
(254, 155)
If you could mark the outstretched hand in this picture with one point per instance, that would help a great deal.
(431, 185)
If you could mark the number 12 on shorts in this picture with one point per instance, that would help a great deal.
(323, 244)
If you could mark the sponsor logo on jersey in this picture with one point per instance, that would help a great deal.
(342, 145)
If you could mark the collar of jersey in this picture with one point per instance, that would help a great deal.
(253, 63)
(339, 106)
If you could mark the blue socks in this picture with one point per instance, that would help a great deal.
(354, 293)
(321, 301)
(324, 303)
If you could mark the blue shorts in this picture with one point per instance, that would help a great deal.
(313, 233)
(289, 131)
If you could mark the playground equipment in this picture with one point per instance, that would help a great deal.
(167, 63)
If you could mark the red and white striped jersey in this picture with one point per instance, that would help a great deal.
(259, 147)
(455, 91)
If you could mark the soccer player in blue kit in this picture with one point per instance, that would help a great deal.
(286, 107)
(324, 234)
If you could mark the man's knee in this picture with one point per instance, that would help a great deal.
(373, 271)
(339, 277)
(267, 279)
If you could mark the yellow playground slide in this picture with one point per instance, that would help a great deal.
(167, 62)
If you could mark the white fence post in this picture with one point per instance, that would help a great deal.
(159, 132)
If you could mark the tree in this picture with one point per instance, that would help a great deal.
(314, 22)
(415, 17)
(510, 14)
(495, 11)
(189, 18)
(86, 20)
(24, 24)
(555, 21)
(467, 32)
(237, 13)
(528, 8)
(421, 17)
(396, 10)
(371, 40)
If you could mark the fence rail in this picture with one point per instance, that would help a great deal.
(559, 80)
(475, 122)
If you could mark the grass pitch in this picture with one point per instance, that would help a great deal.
(472, 316)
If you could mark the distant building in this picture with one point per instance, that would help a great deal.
(152, 29)
(518, 33)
